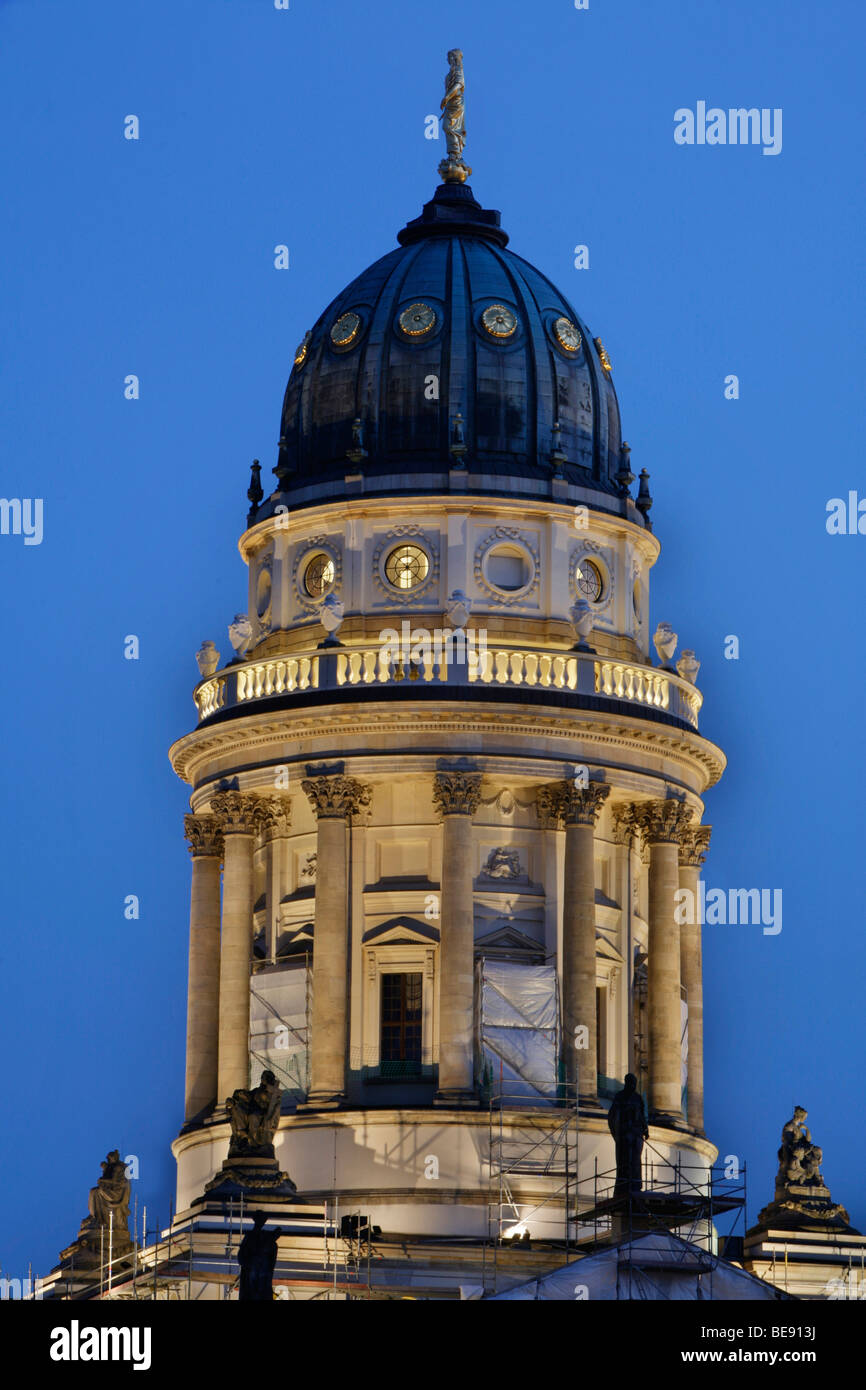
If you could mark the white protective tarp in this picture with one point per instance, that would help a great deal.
(519, 1029)
(658, 1266)
(279, 1027)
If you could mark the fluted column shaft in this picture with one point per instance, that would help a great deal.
(579, 808)
(663, 824)
(692, 855)
(275, 822)
(456, 795)
(334, 800)
(202, 1009)
(238, 812)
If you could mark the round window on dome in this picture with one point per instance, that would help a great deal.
(508, 569)
(319, 576)
(346, 330)
(406, 567)
(263, 592)
(588, 580)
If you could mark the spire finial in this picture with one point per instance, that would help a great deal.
(452, 169)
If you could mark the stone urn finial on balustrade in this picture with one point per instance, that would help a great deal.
(457, 609)
(688, 666)
(208, 658)
(331, 614)
(240, 635)
(582, 622)
(665, 641)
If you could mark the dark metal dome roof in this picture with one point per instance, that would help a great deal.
(370, 394)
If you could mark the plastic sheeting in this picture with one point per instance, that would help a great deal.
(280, 1002)
(518, 1029)
(654, 1267)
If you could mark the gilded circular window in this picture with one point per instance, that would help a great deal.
(588, 580)
(345, 330)
(417, 320)
(499, 321)
(319, 576)
(407, 566)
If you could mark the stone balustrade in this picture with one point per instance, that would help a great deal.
(516, 668)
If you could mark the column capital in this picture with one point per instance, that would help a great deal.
(336, 798)
(237, 811)
(582, 805)
(559, 802)
(694, 846)
(548, 805)
(274, 817)
(205, 836)
(625, 827)
(457, 793)
(663, 822)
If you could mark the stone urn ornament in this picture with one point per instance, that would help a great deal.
(665, 641)
(688, 666)
(582, 622)
(331, 616)
(457, 609)
(240, 635)
(208, 658)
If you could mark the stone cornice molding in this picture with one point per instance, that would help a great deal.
(205, 836)
(336, 798)
(238, 812)
(663, 822)
(697, 762)
(695, 845)
(457, 793)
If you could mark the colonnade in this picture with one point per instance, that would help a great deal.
(218, 1014)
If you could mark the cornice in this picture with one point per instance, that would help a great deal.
(260, 738)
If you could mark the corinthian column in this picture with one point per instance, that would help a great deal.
(202, 1004)
(580, 811)
(274, 823)
(334, 800)
(693, 852)
(456, 796)
(239, 813)
(663, 824)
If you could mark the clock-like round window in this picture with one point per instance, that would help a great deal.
(567, 335)
(303, 350)
(588, 580)
(406, 567)
(499, 321)
(319, 576)
(417, 320)
(345, 330)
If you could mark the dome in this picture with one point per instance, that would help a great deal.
(450, 352)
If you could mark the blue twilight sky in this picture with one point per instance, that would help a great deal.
(155, 257)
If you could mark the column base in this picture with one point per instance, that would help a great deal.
(590, 1104)
(457, 1100)
(665, 1120)
(324, 1100)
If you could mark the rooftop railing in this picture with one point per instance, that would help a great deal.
(244, 684)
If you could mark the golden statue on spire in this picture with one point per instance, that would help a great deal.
(452, 169)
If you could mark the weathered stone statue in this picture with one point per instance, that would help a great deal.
(254, 1116)
(801, 1197)
(626, 1121)
(452, 169)
(257, 1256)
(108, 1202)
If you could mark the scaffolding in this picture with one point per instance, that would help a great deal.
(535, 1142)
